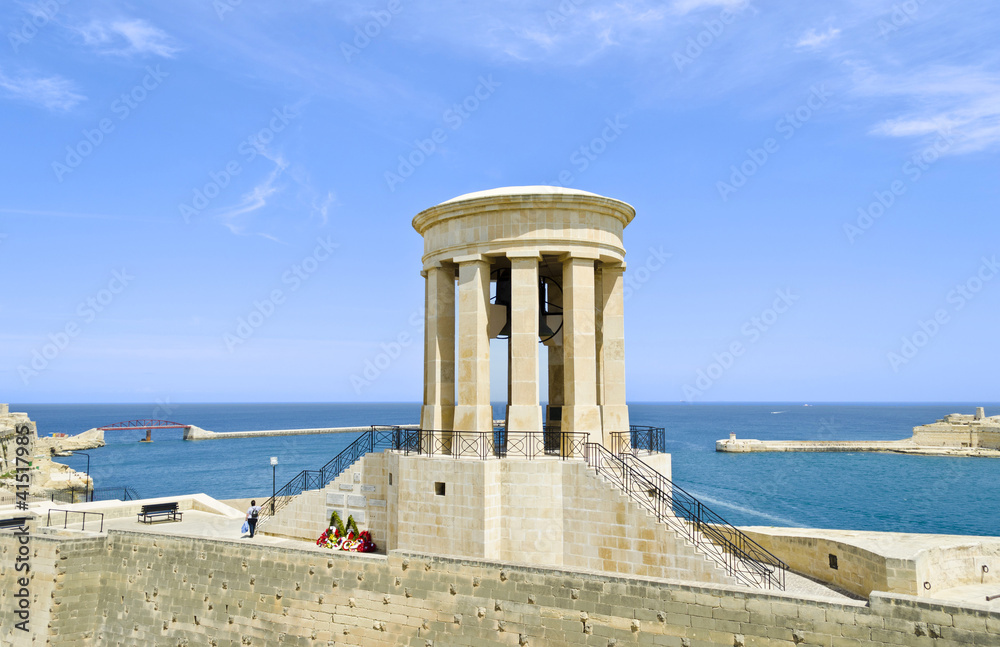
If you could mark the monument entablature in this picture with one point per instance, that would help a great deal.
(551, 221)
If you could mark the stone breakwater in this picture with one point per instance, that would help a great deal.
(906, 446)
(197, 433)
(954, 435)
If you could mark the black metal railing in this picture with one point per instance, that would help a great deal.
(369, 441)
(82, 495)
(485, 445)
(740, 556)
(83, 521)
(457, 444)
(639, 440)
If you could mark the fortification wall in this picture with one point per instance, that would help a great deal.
(858, 570)
(136, 590)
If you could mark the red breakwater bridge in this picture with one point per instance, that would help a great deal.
(148, 425)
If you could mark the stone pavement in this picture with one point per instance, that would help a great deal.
(205, 525)
(802, 585)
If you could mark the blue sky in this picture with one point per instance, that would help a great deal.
(816, 188)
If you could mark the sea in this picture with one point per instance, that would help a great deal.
(860, 491)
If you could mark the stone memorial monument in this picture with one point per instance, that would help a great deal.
(552, 259)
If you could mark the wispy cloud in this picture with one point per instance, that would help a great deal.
(965, 101)
(254, 200)
(813, 39)
(52, 92)
(321, 210)
(134, 37)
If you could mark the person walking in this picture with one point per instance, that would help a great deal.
(252, 514)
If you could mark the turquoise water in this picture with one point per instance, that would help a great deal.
(862, 491)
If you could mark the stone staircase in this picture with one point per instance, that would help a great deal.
(732, 550)
(308, 514)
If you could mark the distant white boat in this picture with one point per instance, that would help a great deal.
(777, 412)
(806, 405)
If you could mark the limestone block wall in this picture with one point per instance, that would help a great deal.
(159, 590)
(942, 435)
(989, 438)
(541, 512)
(446, 506)
(359, 492)
(858, 570)
(941, 562)
(606, 530)
(959, 565)
(64, 587)
(532, 521)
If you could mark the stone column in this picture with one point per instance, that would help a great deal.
(524, 413)
(614, 410)
(439, 351)
(599, 333)
(472, 408)
(580, 414)
(557, 379)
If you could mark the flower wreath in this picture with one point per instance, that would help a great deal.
(347, 537)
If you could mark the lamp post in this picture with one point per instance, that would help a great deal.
(89, 480)
(274, 468)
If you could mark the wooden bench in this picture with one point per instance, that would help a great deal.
(168, 510)
(16, 522)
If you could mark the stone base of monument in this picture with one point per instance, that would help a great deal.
(544, 512)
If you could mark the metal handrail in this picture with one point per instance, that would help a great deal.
(458, 444)
(483, 445)
(639, 439)
(378, 437)
(70, 495)
(734, 551)
(83, 525)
